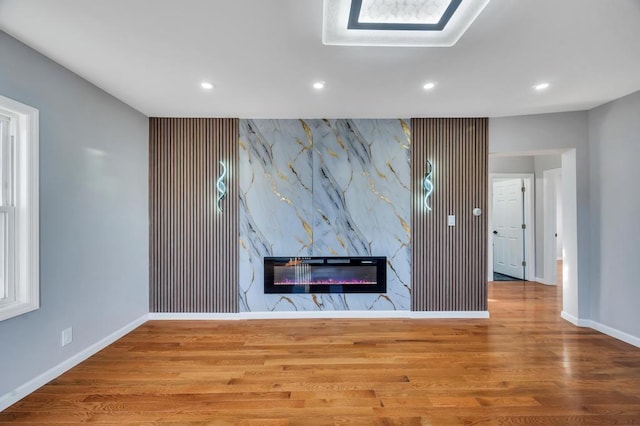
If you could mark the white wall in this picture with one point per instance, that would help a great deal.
(93, 215)
(559, 215)
(614, 143)
(565, 133)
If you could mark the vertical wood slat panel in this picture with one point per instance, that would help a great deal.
(193, 247)
(449, 263)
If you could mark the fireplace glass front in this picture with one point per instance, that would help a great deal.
(325, 275)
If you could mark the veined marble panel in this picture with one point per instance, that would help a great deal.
(324, 187)
(361, 202)
(275, 165)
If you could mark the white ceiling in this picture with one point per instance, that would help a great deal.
(264, 55)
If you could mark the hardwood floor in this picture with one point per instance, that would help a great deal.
(525, 365)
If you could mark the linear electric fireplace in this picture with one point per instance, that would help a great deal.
(325, 275)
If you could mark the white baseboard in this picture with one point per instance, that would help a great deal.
(317, 314)
(278, 315)
(604, 329)
(21, 391)
(573, 320)
(323, 314)
(543, 281)
(450, 314)
(610, 331)
(614, 332)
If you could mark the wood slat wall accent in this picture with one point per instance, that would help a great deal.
(193, 247)
(449, 263)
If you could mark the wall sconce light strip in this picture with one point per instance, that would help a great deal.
(428, 186)
(221, 187)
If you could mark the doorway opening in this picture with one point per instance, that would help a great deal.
(505, 164)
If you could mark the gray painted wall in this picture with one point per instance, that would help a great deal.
(614, 144)
(93, 215)
(511, 164)
(554, 134)
(547, 162)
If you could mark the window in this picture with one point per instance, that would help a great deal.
(19, 235)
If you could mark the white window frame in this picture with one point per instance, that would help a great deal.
(23, 243)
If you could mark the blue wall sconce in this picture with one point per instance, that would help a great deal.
(428, 186)
(221, 187)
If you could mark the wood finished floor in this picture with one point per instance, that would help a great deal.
(524, 366)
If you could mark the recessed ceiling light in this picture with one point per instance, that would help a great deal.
(206, 85)
(318, 85)
(429, 86)
(541, 86)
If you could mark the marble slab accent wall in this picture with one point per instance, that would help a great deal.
(323, 188)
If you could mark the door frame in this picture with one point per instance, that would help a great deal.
(529, 232)
(550, 255)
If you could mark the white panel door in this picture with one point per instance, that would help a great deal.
(508, 218)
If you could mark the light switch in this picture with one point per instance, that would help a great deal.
(451, 220)
(67, 336)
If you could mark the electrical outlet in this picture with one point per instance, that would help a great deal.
(67, 336)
